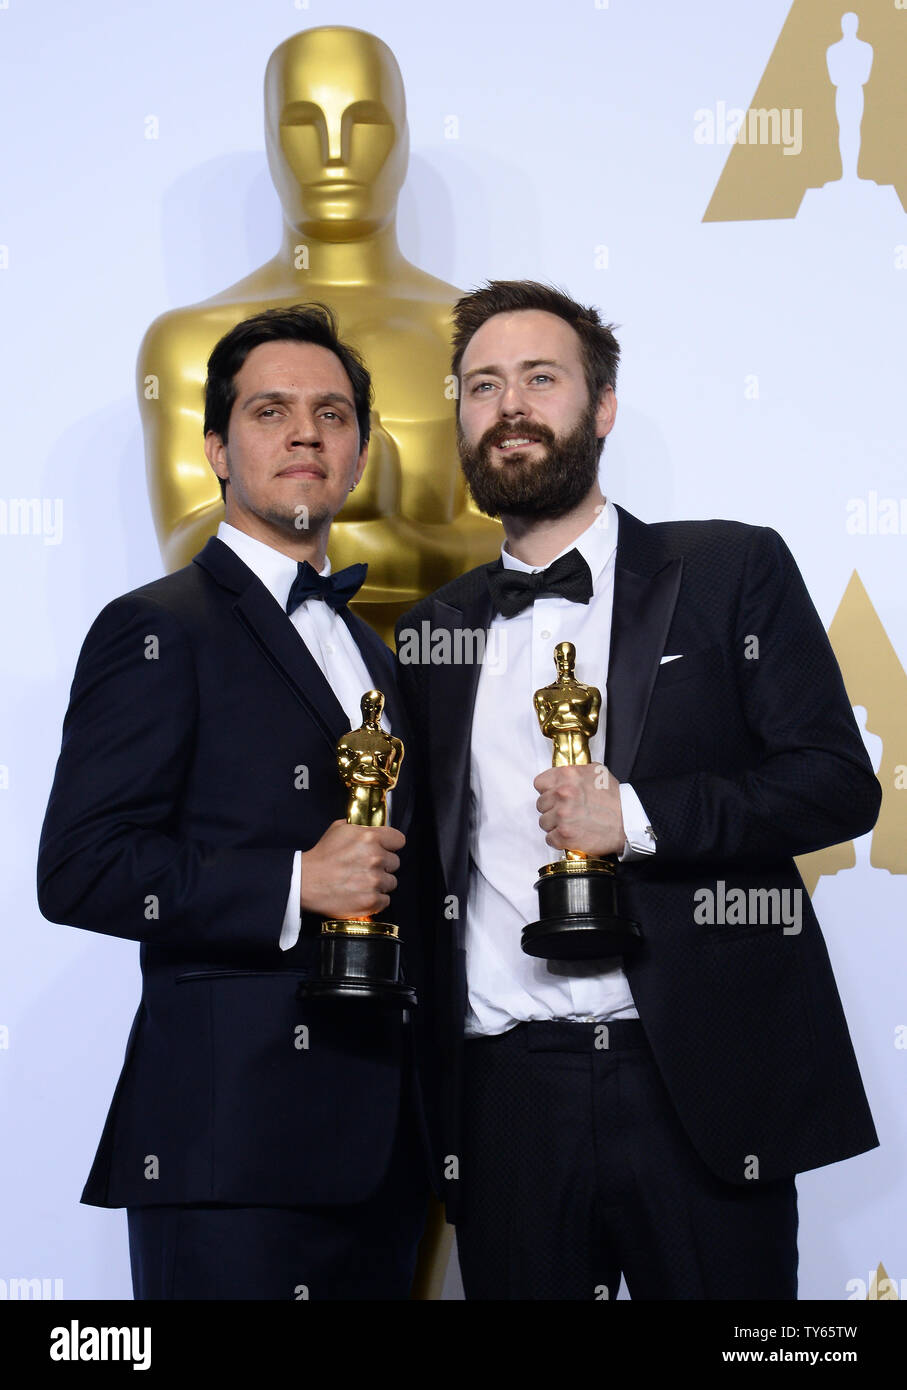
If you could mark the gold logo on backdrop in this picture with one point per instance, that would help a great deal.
(876, 684)
(830, 113)
(881, 1286)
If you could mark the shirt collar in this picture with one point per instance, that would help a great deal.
(275, 570)
(596, 545)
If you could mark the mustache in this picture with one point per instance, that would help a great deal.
(537, 434)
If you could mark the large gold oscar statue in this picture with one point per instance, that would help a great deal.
(337, 142)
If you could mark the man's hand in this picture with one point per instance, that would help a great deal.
(350, 871)
(579, 808)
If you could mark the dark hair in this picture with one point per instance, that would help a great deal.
(300, 323)
(600, 349)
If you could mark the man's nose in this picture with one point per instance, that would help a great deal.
(304, 430)
(512, 402)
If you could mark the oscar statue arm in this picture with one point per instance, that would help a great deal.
(185, 495)
(544, 712)
(595, 709)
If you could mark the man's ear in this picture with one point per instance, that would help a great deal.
(360, 464)
(216, 454)
(605, 413)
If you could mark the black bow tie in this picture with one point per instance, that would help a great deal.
(336, 589)
(514, 590)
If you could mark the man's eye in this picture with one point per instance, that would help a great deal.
(268, 411)
(542, 376)
(480, 386)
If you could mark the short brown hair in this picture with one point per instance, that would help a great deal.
(600, 349)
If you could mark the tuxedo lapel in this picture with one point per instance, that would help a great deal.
(276, 638)
(453, 695)
(646, 585)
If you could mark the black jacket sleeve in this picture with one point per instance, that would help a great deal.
(112, 856)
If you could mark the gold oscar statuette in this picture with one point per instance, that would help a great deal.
(360, 958)
(577, 894)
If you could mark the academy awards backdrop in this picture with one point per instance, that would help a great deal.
(726, 181)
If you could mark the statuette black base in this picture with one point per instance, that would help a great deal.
(579, 917)
(360, 961)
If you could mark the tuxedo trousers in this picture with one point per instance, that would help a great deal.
(365, 1250)
(575, 1170)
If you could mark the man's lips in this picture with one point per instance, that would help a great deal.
(302, 470)
(516, 441)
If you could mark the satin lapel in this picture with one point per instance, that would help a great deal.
(288, 654)
(276, 637)
(643, 609)
(453, 697)
(382, 668)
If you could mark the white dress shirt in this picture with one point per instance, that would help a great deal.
(331, 645)
(507, 844)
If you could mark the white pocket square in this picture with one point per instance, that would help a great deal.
(666, 659)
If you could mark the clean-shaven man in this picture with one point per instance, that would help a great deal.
(265, 1148)
(641, 1115)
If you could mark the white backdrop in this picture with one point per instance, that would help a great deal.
(576, 132)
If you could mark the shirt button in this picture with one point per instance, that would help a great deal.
(329, 649)
(545, 634)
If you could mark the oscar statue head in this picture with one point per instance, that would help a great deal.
(336, 132)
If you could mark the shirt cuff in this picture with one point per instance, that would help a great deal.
(292, 918)
(640, 835)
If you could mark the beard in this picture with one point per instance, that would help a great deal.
(289, 519)
(290, 522)
(548, 486)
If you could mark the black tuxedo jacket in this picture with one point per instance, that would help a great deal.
(741, 761)
(198, 754)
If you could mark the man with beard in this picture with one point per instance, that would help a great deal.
(265, 1147)
(643, 1114)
